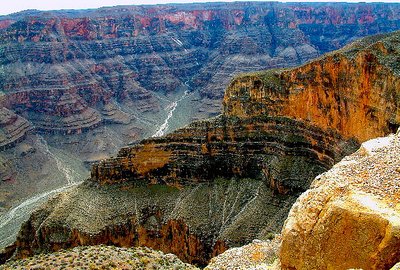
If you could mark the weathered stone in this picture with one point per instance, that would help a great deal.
(257, 255)
(350, 216)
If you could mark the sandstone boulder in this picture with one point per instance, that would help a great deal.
(350, 217)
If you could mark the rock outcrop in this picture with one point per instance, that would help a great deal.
(341, 91)
(225, 181)
(258, 255)
(102, 257)
(13, 128)
(288, 153)
(350, 216)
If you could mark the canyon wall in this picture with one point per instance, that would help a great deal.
(343, 91)
(307, 114)
(65, 70)
(89, 82)
(222, 182)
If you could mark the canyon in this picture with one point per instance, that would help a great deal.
(225, 181)
(76, 86)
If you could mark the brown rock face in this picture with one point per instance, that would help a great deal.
(350, 216)
(228, 180)
(342, 91)
(172, 237)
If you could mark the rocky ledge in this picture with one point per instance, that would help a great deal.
(101, 257)
(258, 255)
(350, 216)
(13, 128)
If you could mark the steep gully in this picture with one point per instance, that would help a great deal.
(164, 127)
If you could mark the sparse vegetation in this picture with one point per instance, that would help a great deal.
(100, 257)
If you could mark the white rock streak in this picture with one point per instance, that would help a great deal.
(10, 221)
(177, 41)
(163, 128)
(59, 163)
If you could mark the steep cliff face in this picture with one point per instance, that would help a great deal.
(227, 180)
(344, 91)
(285, 152)
(350, 216)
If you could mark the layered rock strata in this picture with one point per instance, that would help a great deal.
(56, 64)
(286, 152)
(13, 128)
(228, 180)
(350, 217)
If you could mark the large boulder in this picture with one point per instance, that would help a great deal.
(350, 217)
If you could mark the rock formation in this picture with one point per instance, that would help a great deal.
(257, 255)
(225, 181)
(72, 62)
(350, 216)
(306, 115)
(59, 67)
(102, 257)
(13, 128)
(89, 82)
